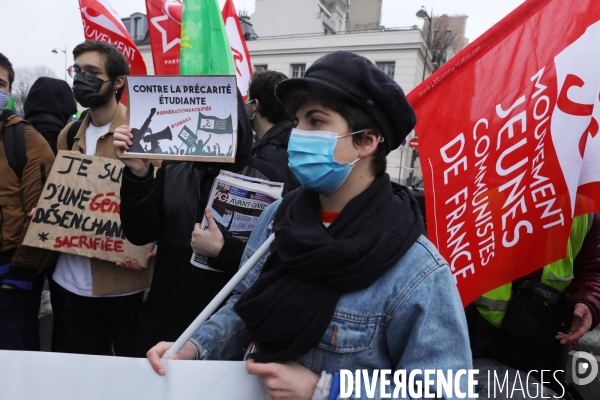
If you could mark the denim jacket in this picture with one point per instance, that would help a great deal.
(411, 318)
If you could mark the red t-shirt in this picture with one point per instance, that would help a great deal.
(327, 217)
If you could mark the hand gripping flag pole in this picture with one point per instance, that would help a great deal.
(218, 299)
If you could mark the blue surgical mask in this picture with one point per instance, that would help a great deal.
(4, 96)
(311, 160)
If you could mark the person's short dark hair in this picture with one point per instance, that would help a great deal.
(5, 63)
(357, 118)
(116, 64)
(262, 88)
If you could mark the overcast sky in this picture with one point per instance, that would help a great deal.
(30, 29)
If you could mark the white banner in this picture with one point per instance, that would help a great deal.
(46, 376)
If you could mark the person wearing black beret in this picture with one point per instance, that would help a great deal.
(350, 282)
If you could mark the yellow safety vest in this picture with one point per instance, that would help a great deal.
(492, 305)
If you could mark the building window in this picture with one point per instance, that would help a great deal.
(448, 34)
(436, 34)
(388, 68)
(136, 27)
(258, 68)
(298, 70)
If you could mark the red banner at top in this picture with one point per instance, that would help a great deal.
(508, 143)
(101, 22)
(164, 25)
(241, 56)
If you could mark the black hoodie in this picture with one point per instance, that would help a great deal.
(48, 106)
(273, 149)
(166, 208)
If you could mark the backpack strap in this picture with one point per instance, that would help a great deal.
(14, 146)
(72, 132)
(74, 128)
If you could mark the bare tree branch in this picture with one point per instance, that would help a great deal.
(443, 39)
(447, 37)
(24, 79)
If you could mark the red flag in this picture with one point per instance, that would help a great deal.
(101, 22)
(241, 56)
(164, 24)
(508, 143)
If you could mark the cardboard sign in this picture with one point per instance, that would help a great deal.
(78, 211)
(186, 118)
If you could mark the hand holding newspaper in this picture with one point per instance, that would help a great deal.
(236, 202)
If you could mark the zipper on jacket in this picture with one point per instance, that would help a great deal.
(200, 211)
(1, 225)
(191, 315)
(199, 216)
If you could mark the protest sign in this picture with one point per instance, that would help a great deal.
(78, 211)
(186, 118)
(508, 143)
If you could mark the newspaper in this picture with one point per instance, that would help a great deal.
(236, 202)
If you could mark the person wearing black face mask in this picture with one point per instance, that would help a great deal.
(87, 89)
(106, 298)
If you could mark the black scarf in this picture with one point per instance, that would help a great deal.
(289, 307)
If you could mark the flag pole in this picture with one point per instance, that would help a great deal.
(218, 299)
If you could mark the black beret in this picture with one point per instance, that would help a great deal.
(357, 80)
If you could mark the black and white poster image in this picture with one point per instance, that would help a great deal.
(187, 118)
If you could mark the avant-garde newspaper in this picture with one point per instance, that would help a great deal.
(236, 202)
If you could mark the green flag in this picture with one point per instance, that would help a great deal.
(216, 125)
(204, 48)
(11, 105)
